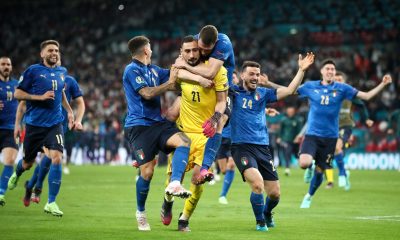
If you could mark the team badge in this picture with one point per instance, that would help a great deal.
(62, 77)
(257, 96)
(140, 154)
(21, 79)
(8, 87)
(139, 80)
(334, 94)
(244, 161)
(52, 74)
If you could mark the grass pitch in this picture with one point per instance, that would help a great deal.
(99, 203)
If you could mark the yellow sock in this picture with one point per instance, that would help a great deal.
(329, 175)
(191, 203)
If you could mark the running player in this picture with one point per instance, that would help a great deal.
(325, 99)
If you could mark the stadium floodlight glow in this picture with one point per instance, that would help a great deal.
(293, 31)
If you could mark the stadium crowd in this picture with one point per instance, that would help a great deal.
(94, 49)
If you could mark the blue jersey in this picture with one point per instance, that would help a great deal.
(142, 112)
(325, 102)
(223, 50)
(7, 114)
(248, 119)
(72, 91)
(37, 80)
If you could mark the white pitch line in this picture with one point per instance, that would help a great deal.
(395, 218)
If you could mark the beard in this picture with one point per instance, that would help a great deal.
(49, 61)
(5, 74)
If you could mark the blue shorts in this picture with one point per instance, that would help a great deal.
(344, 134)
(322, 150)
(146, 141)
(224, 150)
(37, 137)
(7, 139)
(255, 156)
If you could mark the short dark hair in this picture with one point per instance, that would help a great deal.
(340, 73)
(208, 35)
(48, 42)
(328, 61)
(187, 39)
(250, 64)
(136, 43)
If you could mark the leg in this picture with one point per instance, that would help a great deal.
(142, 190)
(228, 179)
(9, 156)
(272, 188)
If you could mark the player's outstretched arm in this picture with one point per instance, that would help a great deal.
(151, 92)
(21, 109)
(22, 95)
(186, 75)
(387, 79)
(80, 110)
(208, 71)
(264, 82)
(304, 63)
(68, 108)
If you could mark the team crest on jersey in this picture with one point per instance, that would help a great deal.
(257, 96)
(244, 161)
(334, 94)
(8, 87)
(154, 72)
(139, 80)
(52, 74)
(140, 154)
(21, 79)
(62, 77)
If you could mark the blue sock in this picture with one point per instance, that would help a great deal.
(5, 176)
(269, 205)
(315, 182)
(54, 181)
(210, 151)
(179, 162)
(142, 190)
(229, 175)
(44, 169)
(19, 169)
(257, 202)
(340, 164)
(32, 181)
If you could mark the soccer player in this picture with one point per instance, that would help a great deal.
(250, 141)
(42, 87)
(346, 124)
(290, 127)
(197, 106)
(33, 187)
(218, 49)
(325, 99)
(8, 108)
(145, 129)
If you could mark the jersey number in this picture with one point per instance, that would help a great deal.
(324, 100)
(247, 103)
(273, 166)
(194, 94)
(60, 139)
(54, 84)
(9, 96)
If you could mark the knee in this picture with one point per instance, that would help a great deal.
(185, 140)
(304, 164)
(257, 187)
(27, 165)
(275, 194)
(147, 173)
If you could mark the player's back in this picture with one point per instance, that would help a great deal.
(198, 103)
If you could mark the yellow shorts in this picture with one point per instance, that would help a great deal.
(196, 151)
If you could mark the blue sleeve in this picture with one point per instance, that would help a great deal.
(25, 81)
(75, 89)
(135, 80)
(221, 50)
(270, 95)
(163, 74)
(303, 90)
(349, 91)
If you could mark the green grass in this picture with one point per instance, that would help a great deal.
(99, 203)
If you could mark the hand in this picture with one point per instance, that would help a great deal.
(180, 63)
(78, 126)
(204, 82)
(263, 80)
(387, 79)
(304, 63)
(210, 125)
(297, 139)
(71, 123)
(47, 95)
(17, 132)
(369, 123)
(173, 75)
(272, 112)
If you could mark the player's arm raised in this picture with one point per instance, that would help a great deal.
(387, 79)
(151, 92)
(208, 71)
(304, 63)
(264, 82)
